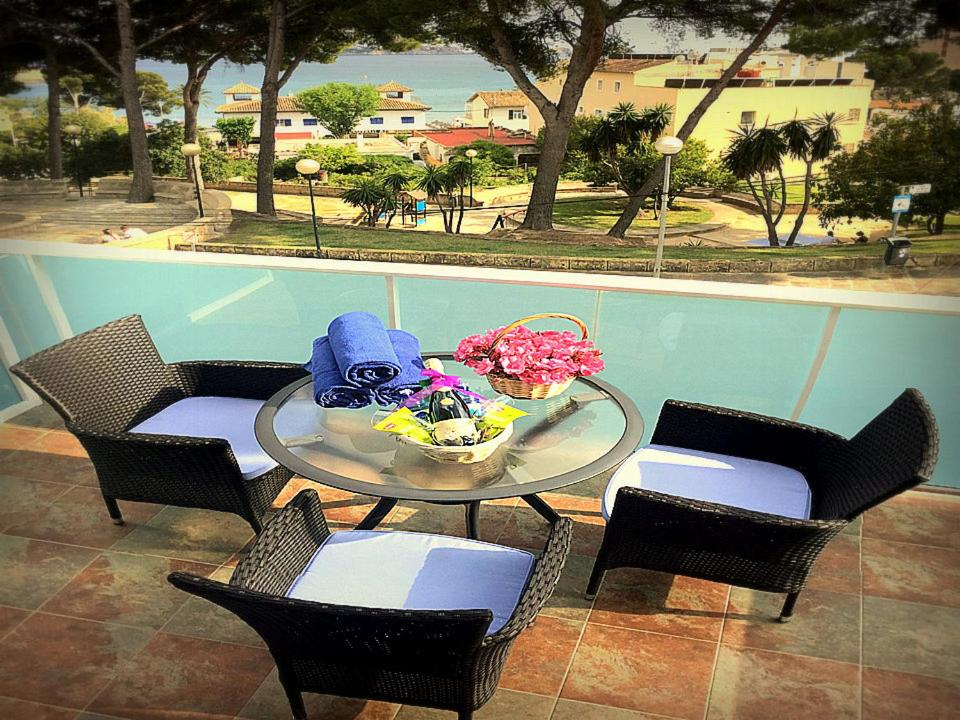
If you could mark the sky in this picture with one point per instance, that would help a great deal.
(645, 38)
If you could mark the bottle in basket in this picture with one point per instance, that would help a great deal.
(452, 424)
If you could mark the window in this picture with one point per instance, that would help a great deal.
(849, 147)
(309, 121)
(599, 84)
(406, 119)
(580, 110)
(616, 86)
(284, 122)
(748, 117)
(486, 112)
(376, 121)
(517, 114)
(598, 112)
(853, 114)
(241, 96)
(396, 95)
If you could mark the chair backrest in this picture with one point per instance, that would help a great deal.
(108, 378)
(894, 452)
(344, 650)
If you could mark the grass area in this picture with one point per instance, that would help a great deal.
(602, 213)
(255, 231)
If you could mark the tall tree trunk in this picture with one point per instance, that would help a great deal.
(460, 211)
(763, 204)
(626, 218)
(798, 223)
(54, 146)
(539, 214)
(196, 75)
(269, 91)
(141, 186)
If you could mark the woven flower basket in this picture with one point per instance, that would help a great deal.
(515, 388)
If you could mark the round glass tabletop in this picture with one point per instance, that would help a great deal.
(589, 428)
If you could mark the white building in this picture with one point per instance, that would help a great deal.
(397, 112)
(506, 108)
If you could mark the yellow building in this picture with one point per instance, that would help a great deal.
(772, 88)
(506, 108)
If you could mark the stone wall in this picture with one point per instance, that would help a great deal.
(579, 264)
(18, 189)
(281, 188)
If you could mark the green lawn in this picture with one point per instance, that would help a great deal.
(255, 231)
(602, 213)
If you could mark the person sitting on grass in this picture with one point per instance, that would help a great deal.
(107, 236)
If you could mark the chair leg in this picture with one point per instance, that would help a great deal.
(295, 698)
(465, 715)
(114, 510)
(255, 524)
(596, 577)
(787, 612)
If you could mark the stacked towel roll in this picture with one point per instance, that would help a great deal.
(359, 361)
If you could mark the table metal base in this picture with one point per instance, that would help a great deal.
(471, 513)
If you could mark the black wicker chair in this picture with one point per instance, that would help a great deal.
(433, 658)
(656, 531)
(108, 380)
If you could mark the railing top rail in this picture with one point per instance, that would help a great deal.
(891, 302)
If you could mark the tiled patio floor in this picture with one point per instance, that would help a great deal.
(89, 628)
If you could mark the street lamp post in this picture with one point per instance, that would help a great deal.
(668, 146)
(308, 168)
(191, 151)
(74, 132)
(471, 154)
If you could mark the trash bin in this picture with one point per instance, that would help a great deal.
(897, 252)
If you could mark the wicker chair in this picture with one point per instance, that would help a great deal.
(434, 658)
(110, 380)
(760, 550)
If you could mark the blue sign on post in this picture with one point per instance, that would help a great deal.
(901, 203)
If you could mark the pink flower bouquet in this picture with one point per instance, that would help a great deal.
(550, 359)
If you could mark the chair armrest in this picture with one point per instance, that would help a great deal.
(734, 432)
(249, 379)
(542, 582)
(284, 547)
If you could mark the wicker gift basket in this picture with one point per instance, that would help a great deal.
(519, 389)
(463, 454)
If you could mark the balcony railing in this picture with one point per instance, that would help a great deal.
(830, 358)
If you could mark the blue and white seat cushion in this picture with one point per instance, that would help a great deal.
(415, 571)
(711, 477)
(228, 418)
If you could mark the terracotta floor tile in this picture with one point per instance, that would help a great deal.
(757, 685)
(50, 467)
(79, 517)
(526, 529)
(32, 570)
(572, 710)
(838, 567)
(175, 676)
(9, 619)
(824, 624)
(911, 637)
(568, 601)
(58, 442)
(270, 703)
(646, 600)
(911, 572)
(641, 671)
(293, 487)
(505, 705)
(891, 695)
(203, 619)
(13, 437)
(64, 661)
(11, 709)
(922, 518)
(41, 416)
(539, 658)
(204, 536)
(23, 500)
(126, 589)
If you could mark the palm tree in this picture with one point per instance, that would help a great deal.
(393, 184)
(754, 155)
(435, 181)
(368, 195)
(458, 171)
(654, 120)
(811, 141)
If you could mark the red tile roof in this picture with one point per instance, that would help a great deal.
(501, 98)
(393, 86)
(626, 65)
(397, 104)
(241, 87)
(454, 137)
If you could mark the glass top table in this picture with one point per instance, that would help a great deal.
(589, 428)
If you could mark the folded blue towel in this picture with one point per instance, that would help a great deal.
(329, 388)
(363, 350)
(407, 348)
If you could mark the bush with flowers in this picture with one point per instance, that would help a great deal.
(537, 358)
